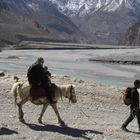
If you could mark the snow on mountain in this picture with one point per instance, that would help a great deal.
(80, 7)
(99, 21)
(44, 14)
(83, 7)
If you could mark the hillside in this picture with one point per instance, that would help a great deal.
(103, 22)
(47, 15)
(132, 36)
(98, 22)
(19, 22)
(13, 26)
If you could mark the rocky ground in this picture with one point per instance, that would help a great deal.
(97, 115)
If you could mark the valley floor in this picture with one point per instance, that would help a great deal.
(98, 114)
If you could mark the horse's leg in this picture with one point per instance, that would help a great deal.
(60, 121)
(20, 111)
(42, 112)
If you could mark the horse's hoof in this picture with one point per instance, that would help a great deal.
(62, 123)
(40, 121)
(22, 120)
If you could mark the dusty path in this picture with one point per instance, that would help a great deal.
(97, 115)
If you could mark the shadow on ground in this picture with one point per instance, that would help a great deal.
(6, 131)
(129, 131)
(73, 132)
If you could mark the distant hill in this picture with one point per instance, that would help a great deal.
(12, 26)
(132, 35)
(20, 21)
(102, 21)
(73, 21)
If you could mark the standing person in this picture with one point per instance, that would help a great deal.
(37, 77)
(134, 106)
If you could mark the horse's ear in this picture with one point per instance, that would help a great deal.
(72, 87)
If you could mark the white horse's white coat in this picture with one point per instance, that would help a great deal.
(22, 89)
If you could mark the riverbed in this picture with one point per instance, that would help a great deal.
(74, 63)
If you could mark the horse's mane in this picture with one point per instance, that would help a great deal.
(65, 85)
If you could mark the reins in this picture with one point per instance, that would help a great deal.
(66, 96)
(70, 94)
(76, 104)
(82, 111)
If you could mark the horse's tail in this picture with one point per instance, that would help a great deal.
(14, 91)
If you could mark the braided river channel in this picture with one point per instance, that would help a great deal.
(74, 63)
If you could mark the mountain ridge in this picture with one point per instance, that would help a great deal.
(79, 21)
(49, 19)
(72, 7)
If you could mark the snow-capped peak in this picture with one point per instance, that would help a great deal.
(82, 7)
(33, 6)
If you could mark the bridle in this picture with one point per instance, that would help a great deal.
(70, 96)
(71, 93)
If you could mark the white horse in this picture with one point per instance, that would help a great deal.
(22, 89)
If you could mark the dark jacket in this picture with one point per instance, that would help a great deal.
(134, 99)
(36, 74)
(48, 74)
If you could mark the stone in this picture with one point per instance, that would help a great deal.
(2, 74)
(12, 57)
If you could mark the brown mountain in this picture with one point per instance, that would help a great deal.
(106, 27)
(19, 21)
(132, 35)
(12, 27)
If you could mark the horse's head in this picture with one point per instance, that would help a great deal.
(71, 94)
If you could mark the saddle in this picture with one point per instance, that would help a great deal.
(39, 92)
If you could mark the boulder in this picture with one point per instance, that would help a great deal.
(2, 74)
(12, 57)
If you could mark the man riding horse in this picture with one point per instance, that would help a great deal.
(37, 78)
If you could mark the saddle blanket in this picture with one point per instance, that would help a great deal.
(37, 92)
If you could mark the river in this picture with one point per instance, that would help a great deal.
(72, 63)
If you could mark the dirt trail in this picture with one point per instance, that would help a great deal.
(97, 115)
